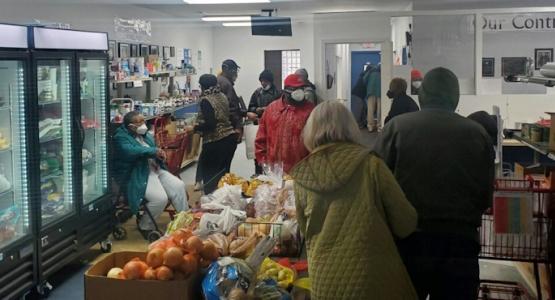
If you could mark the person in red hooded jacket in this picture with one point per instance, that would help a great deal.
(279, 134)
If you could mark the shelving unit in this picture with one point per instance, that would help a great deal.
(148, 80)
(549, 82)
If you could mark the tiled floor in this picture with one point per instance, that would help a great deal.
(69, 285)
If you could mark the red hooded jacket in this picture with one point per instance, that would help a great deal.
(279, 134)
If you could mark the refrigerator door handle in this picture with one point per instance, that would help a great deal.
(81, 132)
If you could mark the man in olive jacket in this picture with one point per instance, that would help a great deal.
(445, 165)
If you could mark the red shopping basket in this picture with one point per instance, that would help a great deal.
(532, 247)
(174, 145)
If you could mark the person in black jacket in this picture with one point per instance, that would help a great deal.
(261, 98)
(402, 103)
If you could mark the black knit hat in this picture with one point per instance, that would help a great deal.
(266, 75)
(207, 81)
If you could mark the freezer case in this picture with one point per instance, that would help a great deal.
(17, 252)
(96, 214)
(53, 160)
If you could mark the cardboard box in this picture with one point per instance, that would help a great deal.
(100, 287)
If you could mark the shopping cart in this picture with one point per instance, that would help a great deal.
(502, 290)
(534, 247)
(175, 145)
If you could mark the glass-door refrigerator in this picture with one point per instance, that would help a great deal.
(17, 239)
(92, 110)
(70, 157)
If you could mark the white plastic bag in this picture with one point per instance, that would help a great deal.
(219, 223)
(228, 195)
(250, 135)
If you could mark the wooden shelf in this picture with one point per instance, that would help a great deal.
(132, 80)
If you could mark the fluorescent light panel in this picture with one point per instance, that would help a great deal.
(227, 19)
(224, 1)
(237, 24)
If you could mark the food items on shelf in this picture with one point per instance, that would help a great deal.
(4, 142)
(8, 221)
(5, 184)
(50, 128)
(272, 270)
(86, 156)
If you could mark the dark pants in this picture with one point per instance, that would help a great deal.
(215, 161)
(257, 168)
(441, 265)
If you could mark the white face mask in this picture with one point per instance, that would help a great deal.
(141, 130)
(416, 84)
(298, 95)
(267, 87)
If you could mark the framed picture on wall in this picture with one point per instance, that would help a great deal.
(515, 66)
(166, 52)
(172, 51)
(134, 50)
(144, 50)
(112, 50)
(124, 50)
(542, 56)
(154, 50)
(488, 67)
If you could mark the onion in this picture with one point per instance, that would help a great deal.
(134, 270)
(150, 274)
(193, 245)
(209, 252)
(190, 264)
(155, 257)
(181, 234)
(173, 257)
(164, 273)
(115, 273)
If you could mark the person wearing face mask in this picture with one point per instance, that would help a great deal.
(279, 134)
(309, 88)
(415, 81)
(260, 99)
(401, 102)
(140, 167)
(237, 108)
(219, 138)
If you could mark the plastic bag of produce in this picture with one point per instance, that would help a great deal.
(272, 270)
(250, 135)
(182, 220)
(228, 195)
(224, 276)
(268, 290)
(220, 223)
(265, 202)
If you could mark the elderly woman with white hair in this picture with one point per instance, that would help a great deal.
(350, 210)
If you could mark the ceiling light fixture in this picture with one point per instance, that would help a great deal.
(227, 19)
(224, 1)
(237, 24)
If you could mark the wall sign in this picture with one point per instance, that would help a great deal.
(519, 22)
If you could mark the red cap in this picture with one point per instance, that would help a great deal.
(415, 74)
(294, 81)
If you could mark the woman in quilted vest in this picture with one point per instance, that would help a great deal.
(219, 138)
(350, 210)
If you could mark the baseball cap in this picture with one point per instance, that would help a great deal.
(294, 81)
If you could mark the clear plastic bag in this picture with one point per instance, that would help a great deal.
(228, 195)
(265, 202)
(224, 222)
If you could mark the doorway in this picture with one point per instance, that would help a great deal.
(345, 66)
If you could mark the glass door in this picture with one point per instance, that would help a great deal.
(14, 197)
(93, 125)
(54, 108)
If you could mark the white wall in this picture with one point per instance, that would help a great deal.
(238, 44)
(101, 18)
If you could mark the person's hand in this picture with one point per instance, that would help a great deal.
(260, 110)
(161, 155)
(189, 129)
(252, 116)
